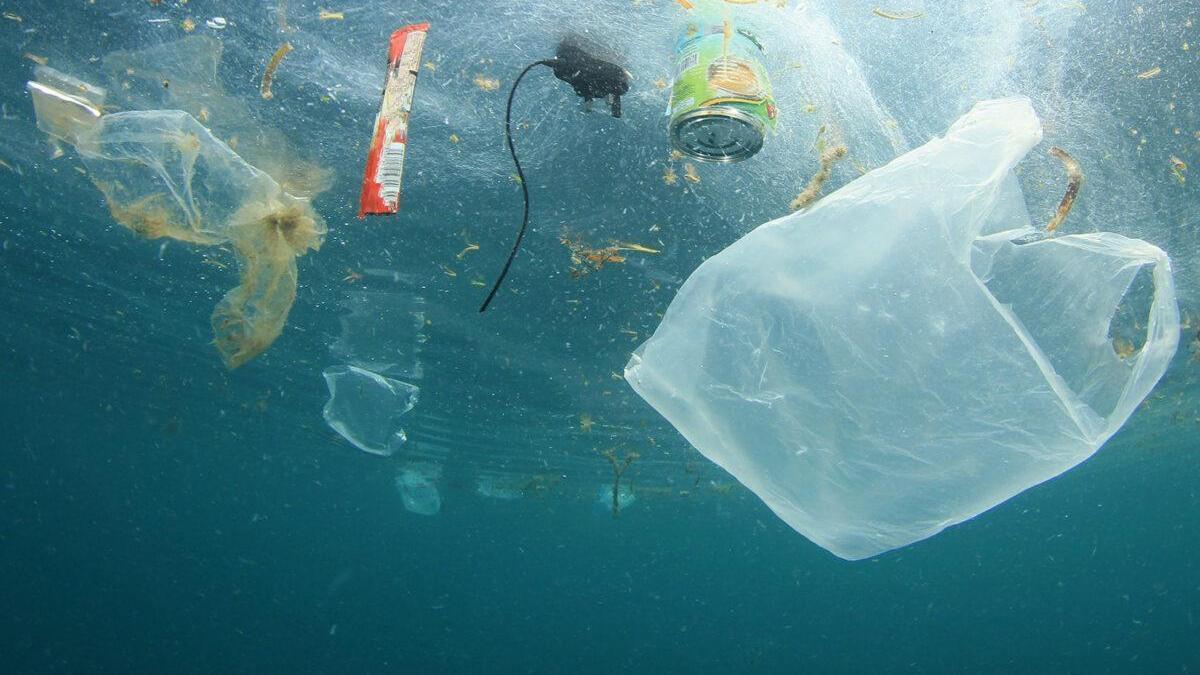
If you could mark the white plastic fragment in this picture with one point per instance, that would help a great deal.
(365, 408)
(65, 107)
(418, 488)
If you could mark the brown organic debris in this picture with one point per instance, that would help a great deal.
(486, 83)
(1074, 181)
(585, 259)
(269, 74)
(812, 191)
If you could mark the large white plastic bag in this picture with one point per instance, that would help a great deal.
(890, 362)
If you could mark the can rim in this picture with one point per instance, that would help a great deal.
(725, 112)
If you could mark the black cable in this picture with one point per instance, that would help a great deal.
(520, 178)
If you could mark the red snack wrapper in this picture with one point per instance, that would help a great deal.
(385, 163)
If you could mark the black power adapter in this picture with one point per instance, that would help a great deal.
(590, 76)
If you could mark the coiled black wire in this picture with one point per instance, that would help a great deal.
(520, 178)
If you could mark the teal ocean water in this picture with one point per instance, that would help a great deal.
(162, 513)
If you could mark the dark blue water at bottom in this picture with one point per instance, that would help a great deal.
(134, 545)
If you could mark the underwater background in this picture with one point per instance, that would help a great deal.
(160, 513)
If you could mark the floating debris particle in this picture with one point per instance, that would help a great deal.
(486, 83)
(40, 60)
(636, 248)
(585, 422)
(618, 467)
(1148, 74)
(13, 17)
(330, 15)
(896, 16)
(213, 262)
(689, 173)
(1123, 348)
(217, 23)
(669, 176)
(281, 16)
(269, 74)
(188, 25)
(449, 272)
(1074, 181)
(1178, 169)
(661, 83)
(454, 138)
(585, 259)
(471, 248)
(812, 191)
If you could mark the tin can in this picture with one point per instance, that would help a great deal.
(721, 103)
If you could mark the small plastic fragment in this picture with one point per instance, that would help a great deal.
(417, 484)
(896, 16)
(495, 486)
(216, 23)
(1179, 169)
(65, 107)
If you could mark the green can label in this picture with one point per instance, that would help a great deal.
(721, 102)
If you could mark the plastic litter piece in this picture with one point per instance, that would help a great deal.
(418, 488)
(191, 66)
(385, 162)
(499, 486)
(164, 175)
(365, 408)
(65, 106)
(382, 331)
(610, 501)
(893, 361)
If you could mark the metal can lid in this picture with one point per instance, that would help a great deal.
(717, 134)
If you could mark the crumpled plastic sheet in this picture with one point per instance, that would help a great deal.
(910, 351)
(418, 487)
(365, 408)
